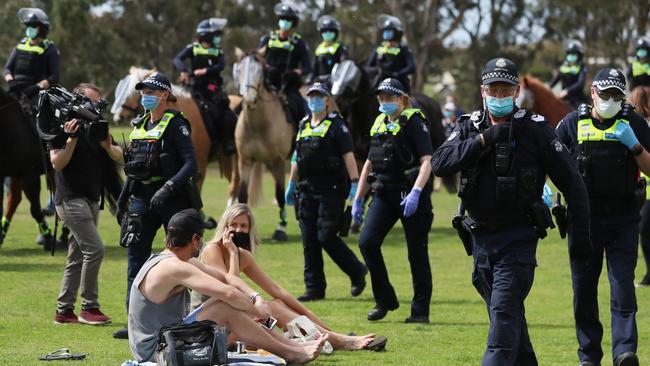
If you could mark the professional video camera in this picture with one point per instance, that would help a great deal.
(57, 106)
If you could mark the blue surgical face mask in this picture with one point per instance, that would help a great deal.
(316, 104)
(388, 108)
(31, 32)
(447, 113)
(149, 102)
(572, 57)
(328, 36)
(499, 107)
(388, 35)
(285, 24)
(216, 41)
(641, 53)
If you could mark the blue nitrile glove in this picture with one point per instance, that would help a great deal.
(290, 193)
(547, 196)
(625, 135)
(357, 211)
(410, 202)
(353, 191)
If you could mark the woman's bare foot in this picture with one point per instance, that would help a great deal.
(309, 352)
(353, 343)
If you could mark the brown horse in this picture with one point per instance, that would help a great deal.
(539, 98)
(263, 135)
(640, 99)
(127, 102)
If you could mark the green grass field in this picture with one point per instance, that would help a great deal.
(30, 281)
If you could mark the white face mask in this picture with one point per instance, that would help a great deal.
(607, 108)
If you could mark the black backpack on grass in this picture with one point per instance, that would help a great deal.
(202, 343)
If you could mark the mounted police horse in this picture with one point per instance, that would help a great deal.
(127, 104)
(537, 97)
(22, 159)
(263, 135)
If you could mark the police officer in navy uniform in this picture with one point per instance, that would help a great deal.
(609, 142)
(160, 166)
(34, 62)
(392, 59)
(324, 173)
(503, 155)
(639, 72)
(207, 61)
(287, 60)
(572, 74)
(398, 170)
(330, 51)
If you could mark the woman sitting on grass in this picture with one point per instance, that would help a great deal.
(231, 250)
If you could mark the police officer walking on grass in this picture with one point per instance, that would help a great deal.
(609, 141)
(398, 170)
(324, 173)
(160, 166)
(504, 154)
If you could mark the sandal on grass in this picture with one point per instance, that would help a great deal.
(378, 344)
(62, 354)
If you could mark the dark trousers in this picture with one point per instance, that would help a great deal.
(504, 269)
(644, 230)
(319, 217)
(152, 219)
(383, 213)
(617, 238)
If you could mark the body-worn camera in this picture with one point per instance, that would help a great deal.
(56, 106)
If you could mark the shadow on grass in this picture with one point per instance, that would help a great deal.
(25, 252)
(29, 267)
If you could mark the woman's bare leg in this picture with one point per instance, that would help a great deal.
(285, 314)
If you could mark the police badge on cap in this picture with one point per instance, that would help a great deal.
(609, 78)
(500, 69)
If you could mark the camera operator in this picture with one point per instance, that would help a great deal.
(79, 183)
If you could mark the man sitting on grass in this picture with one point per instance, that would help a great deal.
(159, 297)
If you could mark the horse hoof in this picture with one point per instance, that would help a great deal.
(354, 228)
(210, 223)
(279, 235)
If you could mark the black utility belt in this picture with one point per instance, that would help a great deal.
(473, 223)
(312, 187)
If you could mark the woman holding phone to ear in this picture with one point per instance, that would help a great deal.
(231, 250)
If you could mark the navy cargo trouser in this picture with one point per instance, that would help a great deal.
(504, 268)
(383, 213)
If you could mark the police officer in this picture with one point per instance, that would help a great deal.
(287, 59)
(160, 167)
(391, 59)
(572, 75)
(207, 61)
(34, 62)
(504, 154)
(330, 51)
(639, 71)
(325, 173)
(609, 142)
(398, 170)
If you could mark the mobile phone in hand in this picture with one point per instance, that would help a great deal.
(269, 323)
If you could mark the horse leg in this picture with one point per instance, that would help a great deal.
(244, 168)
(277, 170)
(14, 198)
(32, 189)
(233, 186)
(2, 197)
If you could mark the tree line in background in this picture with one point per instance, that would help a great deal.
(100, 39)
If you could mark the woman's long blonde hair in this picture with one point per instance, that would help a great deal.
(229, 216)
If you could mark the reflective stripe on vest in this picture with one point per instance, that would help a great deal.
(199, 50)
(647, 180)
(570, 69)
(139, 133)
(384, 48)
(380, 126)
(587, 132)
(276, 42)
(318, 131)
(327, 49)
(38, 49)
(639, 69)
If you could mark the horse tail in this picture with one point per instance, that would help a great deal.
(255, 184)
(225, 165)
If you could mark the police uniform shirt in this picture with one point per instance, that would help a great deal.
(338, 133)
(574, 83)
(177, 141)
(49, 69)
(400, 66)
(538, 151)
(298, 58)
(213, 70)
(82, 176)
(324, 62)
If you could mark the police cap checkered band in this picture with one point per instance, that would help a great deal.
(319, 88)
(156, 81)
(391, 86)
(609, 78)
(500, 69)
